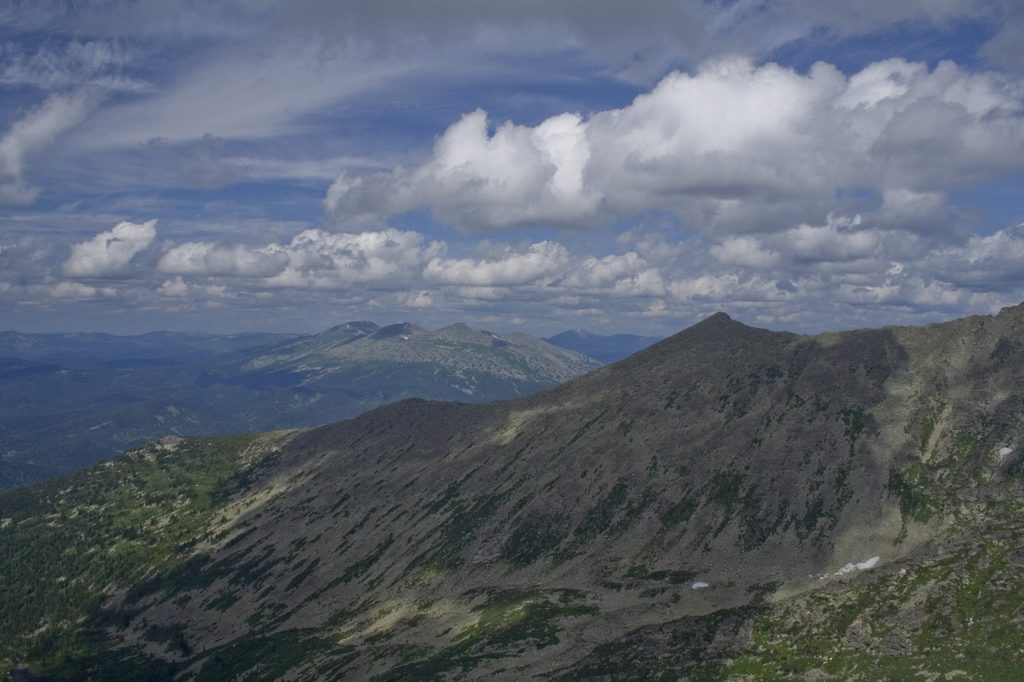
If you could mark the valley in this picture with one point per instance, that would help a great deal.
(67, 401)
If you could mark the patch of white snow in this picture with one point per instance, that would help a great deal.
(1005, 452)
(699, 585)
(859, 566)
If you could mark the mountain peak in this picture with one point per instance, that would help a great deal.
(458, 327)
(393, 330)
(715, 324)
(716, 318)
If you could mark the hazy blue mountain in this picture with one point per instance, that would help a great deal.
(731, 503)
(88, 348)
(69, 400)
(604, 348)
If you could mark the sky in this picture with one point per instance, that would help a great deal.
(528, 165)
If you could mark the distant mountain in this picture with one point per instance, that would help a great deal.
(731, 503)
(457, 362)
(87, 348)
(75, 399)
(607, 349)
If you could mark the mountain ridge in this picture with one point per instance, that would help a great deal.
(657, 517)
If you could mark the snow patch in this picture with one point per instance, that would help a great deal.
(700, 585)
(1005, 452)
(859, 566)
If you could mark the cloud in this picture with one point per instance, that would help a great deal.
(921, 212)
(838, 240)
(174, 288)
(321, 259)
(733, 147)
(416, 299)
(745, 251)
(77, 291)
(312, 259)
(232, 260)
(252, 91)
(599, 272)
(539, 261)
(110, 253)
(517, 176)
(627, 274)
(982, 263)
(1003, 49)
(844, 272)
(75, 64)
(35, 131)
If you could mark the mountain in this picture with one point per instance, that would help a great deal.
(730, 503)
(604, 348)
(457, 362)
(89, 348)
(71, 400)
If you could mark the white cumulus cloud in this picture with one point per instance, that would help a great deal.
(745, 251)
(110, 253)
(732, 146)
(312, 259)
(206, 258)
(539, 261)
(517, 176)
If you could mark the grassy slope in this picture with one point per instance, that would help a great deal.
(71, 542)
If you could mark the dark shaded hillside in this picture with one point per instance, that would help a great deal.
(729, 502)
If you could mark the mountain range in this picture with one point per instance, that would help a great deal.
(70, 400)
(607, 349)
(729, 503)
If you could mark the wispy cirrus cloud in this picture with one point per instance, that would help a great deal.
(32, 134)
(76, 64)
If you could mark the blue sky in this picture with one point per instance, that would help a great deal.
(532, 165)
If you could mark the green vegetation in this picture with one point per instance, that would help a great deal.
(931, 420)
(459, 528)
(680, 512)
(261, 657)
(937, 485)
(723, 490)
(533, 537)
(955, 613)
(507, 621)
(90, 532)
(599, 519)
(359, 568)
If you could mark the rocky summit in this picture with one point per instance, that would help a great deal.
(729, 503)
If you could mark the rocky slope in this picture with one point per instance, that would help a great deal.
(731, 503)
(69, 400)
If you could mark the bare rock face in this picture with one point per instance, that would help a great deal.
(728, 503)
